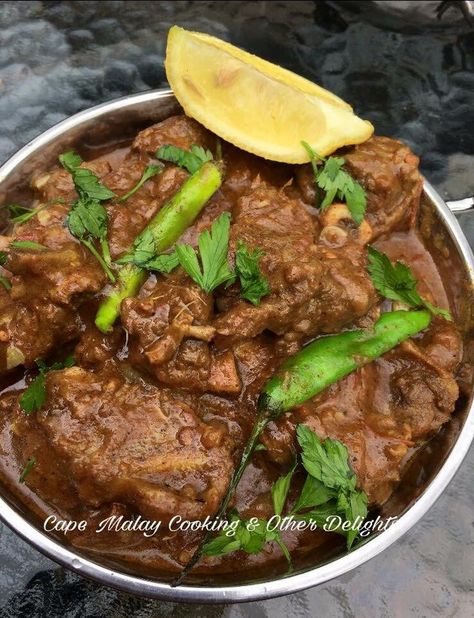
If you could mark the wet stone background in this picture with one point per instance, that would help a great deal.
(413, 77)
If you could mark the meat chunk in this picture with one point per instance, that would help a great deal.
(388, 170)
(314, 287)
(47, 288)
(170, 333)
(136, 444)
(128, 218)
(180, 131)
(378, 412)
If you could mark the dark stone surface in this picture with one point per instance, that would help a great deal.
(413, 77)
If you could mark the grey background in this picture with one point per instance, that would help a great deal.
(413, 77)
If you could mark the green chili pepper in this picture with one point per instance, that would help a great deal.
(318, 365)
(166, 226)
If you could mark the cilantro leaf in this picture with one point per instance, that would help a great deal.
(3, 258)
(30, 464)
(336, 182)
(396, 282)
(85, 181)
(149, 172)
(253, 283)
(26, 244)
(34, 396)
(191, 160)
(213, 247)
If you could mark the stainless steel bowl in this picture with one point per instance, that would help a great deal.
(111, 122)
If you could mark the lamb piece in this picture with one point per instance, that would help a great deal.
(180, 131)
(170, 335)
(47, 288)
(315, 287)
(388, 171)
(136, 444)
(378, 412)
(128, 218)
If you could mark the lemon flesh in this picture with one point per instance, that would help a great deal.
(257, 106)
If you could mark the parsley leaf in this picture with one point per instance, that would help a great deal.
(280, 489)
(164, 263)
(143, 255)
(26, 216)
(396, 282)
(330, 488)
(26, 244)
(30, 464)
(87, 219)
(85, 181)
(336, 182)
(191, 160)
(314, 493)
(326, 461)
(5, 281)
(149, 172)
(254, 284)
(34, 396)
(248, 535)
(213, 247)
(17, 210)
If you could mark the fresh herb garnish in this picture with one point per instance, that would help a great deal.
(3, 258)
(336, 182)
(85, 181)
(17, 210)
(30, 464)
(329, 490)
(87, 219)
(214, 269)
(331, 477)
(253, 283)
(143, 255)
(191, 160)
(150, 171)
(27, 244)
(396, 282)
(248, 535)
(7, 284)
(26, 216)
(35, 395)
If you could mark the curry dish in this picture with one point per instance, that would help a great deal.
(152, 417)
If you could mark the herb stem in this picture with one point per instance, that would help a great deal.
(99, 258)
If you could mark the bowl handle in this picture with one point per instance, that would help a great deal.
(461, 206)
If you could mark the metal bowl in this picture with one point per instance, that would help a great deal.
(111, 122)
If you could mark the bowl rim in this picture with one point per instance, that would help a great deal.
(152, 588)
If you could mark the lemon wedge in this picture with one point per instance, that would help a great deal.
(254, 104)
